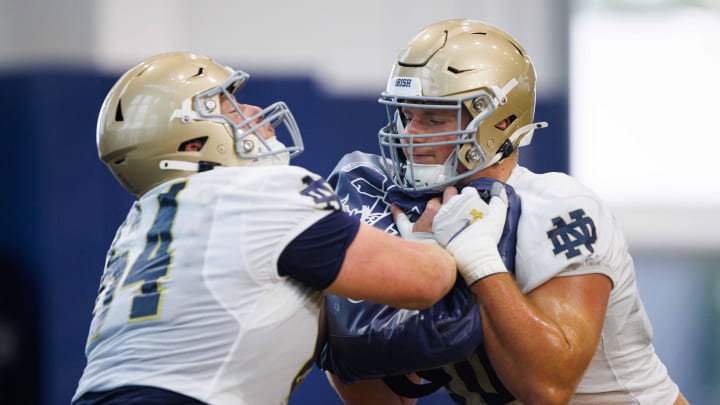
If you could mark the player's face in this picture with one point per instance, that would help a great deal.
(227, 109)
(425, 121)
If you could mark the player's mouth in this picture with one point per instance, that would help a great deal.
(423, 158)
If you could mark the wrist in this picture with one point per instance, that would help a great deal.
(477, 270)
(476, 259)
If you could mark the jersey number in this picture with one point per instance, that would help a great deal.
(148, 269)
(155, 260)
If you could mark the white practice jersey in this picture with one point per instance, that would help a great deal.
(191, 300)
(566, 230)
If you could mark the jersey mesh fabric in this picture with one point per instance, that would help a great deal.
(191, 300)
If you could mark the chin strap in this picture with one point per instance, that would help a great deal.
(526, 132)
(201, 166)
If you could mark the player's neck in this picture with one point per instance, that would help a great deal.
(500, 171)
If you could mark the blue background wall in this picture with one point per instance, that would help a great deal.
(61, 206)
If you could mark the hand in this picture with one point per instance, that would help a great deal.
(420, 231)
(470, 229)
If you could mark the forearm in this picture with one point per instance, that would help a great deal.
(388, 270)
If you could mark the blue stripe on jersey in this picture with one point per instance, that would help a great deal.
(471, 381)
(501, 394)
(315, 256)
(136, 395)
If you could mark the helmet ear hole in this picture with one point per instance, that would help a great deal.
(505, 123)
(193, 145)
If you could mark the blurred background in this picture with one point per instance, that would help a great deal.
(629, 89)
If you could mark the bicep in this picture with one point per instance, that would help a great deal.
(577, 304)
(541, 344)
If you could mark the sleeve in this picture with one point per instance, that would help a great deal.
(266, 210)
(316, 255)
(564, 230)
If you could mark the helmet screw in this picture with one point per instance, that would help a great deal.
(472, 155)
(209, 105)
(248, 146)
(481, 104)
(221, 148)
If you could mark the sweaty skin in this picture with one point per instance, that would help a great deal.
(540, 344)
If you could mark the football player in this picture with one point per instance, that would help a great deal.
(568, 325)
(213, 285)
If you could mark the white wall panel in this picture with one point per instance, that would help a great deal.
(644, 90)
(347, 46)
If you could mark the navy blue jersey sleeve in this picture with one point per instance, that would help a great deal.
(315, 256)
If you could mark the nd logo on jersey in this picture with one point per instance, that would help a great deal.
(567, 237)
(321, 193)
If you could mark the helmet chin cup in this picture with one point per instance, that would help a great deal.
(430, 176)
(271, 153)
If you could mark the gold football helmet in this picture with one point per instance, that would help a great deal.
(471, 67)
(157, 107)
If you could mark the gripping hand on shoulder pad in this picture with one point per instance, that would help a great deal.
(470, 229)
(406, 228)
